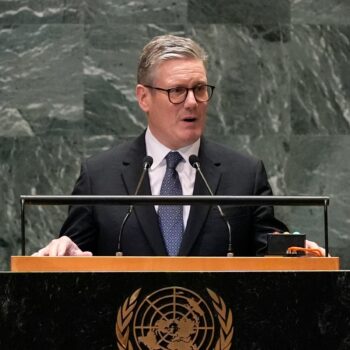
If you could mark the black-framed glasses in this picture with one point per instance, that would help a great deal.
(176, 95)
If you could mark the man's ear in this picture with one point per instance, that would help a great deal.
(143, 96)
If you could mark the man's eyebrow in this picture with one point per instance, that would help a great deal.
(199, 82)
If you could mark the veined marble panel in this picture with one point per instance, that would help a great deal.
(250, 68)
(40, 11)
(239, 11)
(320, 165)
(31, 166)
(95, 144)
(41, 82)
(39, 166)
(320, 11)
(320, 73)
(109, 12)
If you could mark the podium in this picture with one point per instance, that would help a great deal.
(181, 303)
(174, 303)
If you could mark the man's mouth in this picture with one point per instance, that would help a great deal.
(189, 119)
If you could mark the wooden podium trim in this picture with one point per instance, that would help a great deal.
(171, 264)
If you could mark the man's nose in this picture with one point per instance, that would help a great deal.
(190, 99)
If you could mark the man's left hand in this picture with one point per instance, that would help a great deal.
(314, 245)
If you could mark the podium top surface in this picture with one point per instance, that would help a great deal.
(171, 264)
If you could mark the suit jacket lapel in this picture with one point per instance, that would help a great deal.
(198, 213)
(146, 215)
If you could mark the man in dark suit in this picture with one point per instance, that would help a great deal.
(117, 171)
(174, 93)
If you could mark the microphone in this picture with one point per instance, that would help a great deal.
(147, 163)
(194, 161)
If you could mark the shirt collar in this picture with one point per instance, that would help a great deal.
(158, 151)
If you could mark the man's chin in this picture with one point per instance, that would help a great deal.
(187, 141)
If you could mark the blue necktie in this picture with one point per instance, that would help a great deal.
(170, 216)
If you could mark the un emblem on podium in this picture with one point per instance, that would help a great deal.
(174, 318)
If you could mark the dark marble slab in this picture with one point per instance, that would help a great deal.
(320, 165)
(34, 166)
(239, 11)
(320, 100)
(250, 72)
(320, 11)
(41, 84)
(39, 166)
(109, 12)
(41, 11)
(271, 310)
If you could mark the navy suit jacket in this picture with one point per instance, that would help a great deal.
(117, 171)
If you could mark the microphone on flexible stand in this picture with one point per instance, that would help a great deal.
(147, 163)
(194, 161)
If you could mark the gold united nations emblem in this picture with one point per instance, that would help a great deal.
(174, 318)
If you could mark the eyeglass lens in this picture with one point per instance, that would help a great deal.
(202, 93)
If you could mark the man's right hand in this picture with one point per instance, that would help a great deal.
(62, 246)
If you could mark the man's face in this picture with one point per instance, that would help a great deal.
(175, 125)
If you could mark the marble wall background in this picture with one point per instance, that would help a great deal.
(67, 76)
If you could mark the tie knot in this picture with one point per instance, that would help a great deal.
(173, 159)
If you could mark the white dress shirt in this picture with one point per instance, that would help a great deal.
(187, 174)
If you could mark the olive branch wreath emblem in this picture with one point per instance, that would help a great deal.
(126, 312)
(124, 318)
(226, 322)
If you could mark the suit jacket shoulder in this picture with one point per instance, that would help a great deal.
(104, 170)
(227, 156)
(241, 174)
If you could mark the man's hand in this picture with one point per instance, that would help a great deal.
(62, 246)
(314, 245)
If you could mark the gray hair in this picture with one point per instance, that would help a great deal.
(163, 48)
